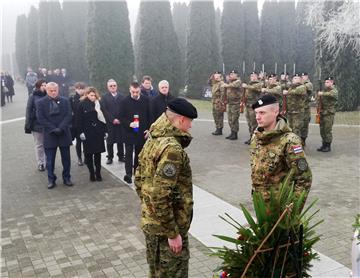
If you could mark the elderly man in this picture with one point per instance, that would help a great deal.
(164, 184)
(276, 152)
(159, 103)
(54, 114)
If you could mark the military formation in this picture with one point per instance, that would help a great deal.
(295, 97)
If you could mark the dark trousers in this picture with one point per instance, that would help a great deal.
(110, 150)
(78, 147)
(91, 160)
(65, 160)
(131, 161)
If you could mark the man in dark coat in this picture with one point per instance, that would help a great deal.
(146, 87)
(135, 120)
(110, 104)
(64, 80)
(54, 114)
(159, 103)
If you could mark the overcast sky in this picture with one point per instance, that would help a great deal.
(10, 9)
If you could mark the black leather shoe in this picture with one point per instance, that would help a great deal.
(127, 179)
(122, 159)
(68, 183)
(41, 168)
(327, 148)
(51, 185)
(98, 177)
(321, 148)
(92, 177)
(233, 136)
(80, 162)
(109, 161)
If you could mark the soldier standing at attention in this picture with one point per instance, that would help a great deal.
(163, 182)
(276, 152)
(284, 81)
(233, 96)
(307, 113)
(218, 101)
(252, 93)
(273, 88)
(295, 104)
(328, 99)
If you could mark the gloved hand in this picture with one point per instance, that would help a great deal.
(106, 135)
(82, 136)
(57, 131)
(27, 130)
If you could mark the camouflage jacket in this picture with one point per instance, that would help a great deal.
(309, 90)
(163, 181)
(233, 92)
(218, 93)
(274, 90)
(329, 100)
(252, 92)
(285, 84)
(273, 154)
(296, 99)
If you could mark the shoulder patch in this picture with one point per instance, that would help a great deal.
(297, 149)
(302, 164)
(169, 170)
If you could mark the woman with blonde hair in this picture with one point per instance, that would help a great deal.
(92, 131)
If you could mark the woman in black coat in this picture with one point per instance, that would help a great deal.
(92, 131)
(9, 83)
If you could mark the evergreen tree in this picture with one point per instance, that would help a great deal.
(305, 46)
(20, 44)
(75, 20)
(202, 47)
(180, 20)
(251, 36)
(218, 31)
(43, 34)
(137, 43)
(109, 51)
(287, 33)
(57, 48)
(158, 51)
(269, 37)
(32, 39)
(232, 34)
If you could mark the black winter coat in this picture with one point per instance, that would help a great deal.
(31, 122)
(158, 105)
(111, 108)
(128, 108)
(89, 124)
(51, 114)
(74, 103)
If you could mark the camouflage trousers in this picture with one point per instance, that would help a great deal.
(251, 119)
(218, 118)
(163, 263)
(233, 115)
(306, 120)
(296, 122)
(326, 124)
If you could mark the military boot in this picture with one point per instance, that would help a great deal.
(233, 136)
(247, 142)
(227, 137)
(321, 148)
(218, 131)
(327, 147)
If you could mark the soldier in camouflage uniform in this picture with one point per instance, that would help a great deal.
(252, 93)
(328, 99)
(233, 96)
(307, 113)
(163, 182)
(295, 104)
(276, 152)
(218, 101)
(284, 81)
(273, 88)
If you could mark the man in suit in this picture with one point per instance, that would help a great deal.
(110, 103)
(54, 114)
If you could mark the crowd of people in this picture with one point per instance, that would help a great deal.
(294, 98)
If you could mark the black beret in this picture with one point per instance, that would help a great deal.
(182, 107)
(284, 73)
(263, 101)
(234, 71)
(217, 72)
(272, 75)
(329, 78)
(253, 72)
(297, 75)
(304, 73)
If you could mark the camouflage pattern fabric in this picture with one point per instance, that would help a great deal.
(163, 181)
(233, 115)
(275, 90)
(163, 263)
(307, 112)
(218, 102)
(252, 94)
(250, 119)
(273, 155)
(233, 92)
(295, 107)
(327, 114)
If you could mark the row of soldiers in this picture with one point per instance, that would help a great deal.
(293, 96)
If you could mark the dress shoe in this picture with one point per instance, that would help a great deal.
(80, 162)
(51, 185)
(41, 168)
(122, 159)
(127, 179)
(98, 177)
(92, 177)
(68, 183)
(109, 161)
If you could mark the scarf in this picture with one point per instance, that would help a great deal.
(100, 114)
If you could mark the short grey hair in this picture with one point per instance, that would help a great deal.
(163, 82)
(111, 80)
